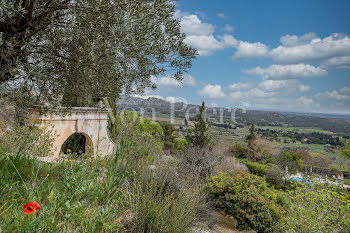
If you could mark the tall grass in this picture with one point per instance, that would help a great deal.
(95, 194)
(74, 196)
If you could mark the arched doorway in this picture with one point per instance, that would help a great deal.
(77, 144)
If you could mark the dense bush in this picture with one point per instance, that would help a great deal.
(240, 150)
(317, 208)
(162, 202)
(181, 144)
(168, 136)
(345, 151)
(291, 159)
(159, 199)
(197, 163)
(257, 168)
(139, 135)
(247, 198)
(275, 176)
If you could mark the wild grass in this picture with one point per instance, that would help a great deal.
(74, 196)
(134, 190)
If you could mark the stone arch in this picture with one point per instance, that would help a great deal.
(89, 145)
(91, 122)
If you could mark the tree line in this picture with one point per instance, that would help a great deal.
(305, 138)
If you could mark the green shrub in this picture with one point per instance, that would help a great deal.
(181, 144)
(140, 136)
(247, 198)
(240, 150)
(275, 176)
(316, 208)
(197, 163)
(160, 205)
(257, 168)
(291, 159)
(345, 151)
(159, 199)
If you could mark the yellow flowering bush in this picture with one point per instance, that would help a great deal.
(317, 208)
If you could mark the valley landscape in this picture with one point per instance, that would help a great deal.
(174, 116)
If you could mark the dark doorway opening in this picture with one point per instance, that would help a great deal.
(77, 144)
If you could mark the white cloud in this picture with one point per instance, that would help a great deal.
(221, 15)
(212, 91)
(173, 99)
(291, 41)
(189, 80)
(337, 63)
(269, 95)
(259, 93)
(201, 36)
(167, 81)
(332, 52)
(271, 85)
(246, 50)
(340, 95)
(228, 28)
(237, 95)
(286, 86)
(304, 88)
(240, 86)
(307, 102)
(294, 71)
(300, 50)
(208, 44)
(148, 96)
(192, 25)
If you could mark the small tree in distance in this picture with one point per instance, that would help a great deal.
(251, 135)
(199, 135)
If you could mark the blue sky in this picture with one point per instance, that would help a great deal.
(266, 55)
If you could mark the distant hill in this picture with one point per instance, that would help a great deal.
(260, 118)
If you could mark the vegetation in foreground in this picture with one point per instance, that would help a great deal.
(136, 190)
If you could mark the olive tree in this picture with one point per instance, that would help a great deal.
(74, 52)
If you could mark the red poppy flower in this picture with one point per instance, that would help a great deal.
(31, 207)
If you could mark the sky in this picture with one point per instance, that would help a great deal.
(274, 55)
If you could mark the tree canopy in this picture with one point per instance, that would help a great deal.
(77, 51)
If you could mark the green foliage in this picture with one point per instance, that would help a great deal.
(168, 134)
(74, 197)
(199, 135)
(181, 144)
(292, 159)
(198, 163)
(345, 152)
(94, 195)
(247, 198)
(138, 134)
(316, 208)
(89, 49)
(251, 135)
(257, 168)
(160, 204)
(240, 150)
(275, 176)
